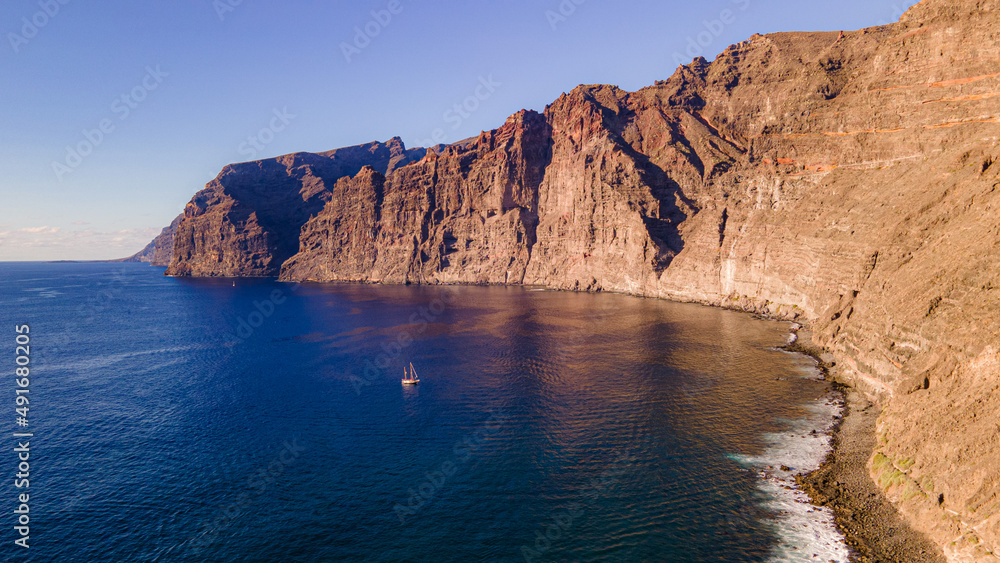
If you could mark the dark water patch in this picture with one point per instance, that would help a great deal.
(547, 425)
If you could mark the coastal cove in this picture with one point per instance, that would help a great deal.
(844, 180)
(509, 281)
(547, 424)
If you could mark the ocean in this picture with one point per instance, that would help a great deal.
(192, 420)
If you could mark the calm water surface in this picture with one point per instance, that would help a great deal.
(194, 420)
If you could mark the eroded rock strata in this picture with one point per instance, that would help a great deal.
(160, 250)
(848, 181)
(246, 221)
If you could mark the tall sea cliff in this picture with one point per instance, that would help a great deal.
(847, 181)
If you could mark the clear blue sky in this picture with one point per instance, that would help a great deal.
(200, 77)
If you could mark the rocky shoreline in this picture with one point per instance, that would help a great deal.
(873, 528)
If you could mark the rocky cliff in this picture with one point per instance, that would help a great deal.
(246, 221)
(464, 215)
(160, 250)
(845, 180)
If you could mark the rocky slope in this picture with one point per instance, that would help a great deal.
(246, 221)
(160, 250)
(848, 181)
(464, 215)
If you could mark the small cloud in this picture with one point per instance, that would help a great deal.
(44, 230)
(80, 223)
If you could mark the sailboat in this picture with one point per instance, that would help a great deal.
(411, 377)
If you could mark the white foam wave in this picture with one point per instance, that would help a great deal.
(805, 532)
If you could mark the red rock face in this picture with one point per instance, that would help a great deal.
(246, 221)
(849, 182)
(466, 215)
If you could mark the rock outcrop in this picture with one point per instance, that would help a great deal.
(160, 251)
(466, 215)
(246, 221)
(845, 180)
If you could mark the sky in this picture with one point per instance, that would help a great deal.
(113, 114)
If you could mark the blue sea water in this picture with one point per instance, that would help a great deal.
(252, 420)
